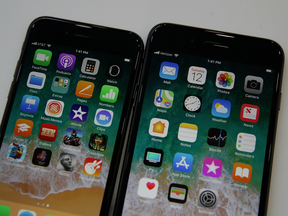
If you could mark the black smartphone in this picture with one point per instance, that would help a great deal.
(203, 132)
(66, 116)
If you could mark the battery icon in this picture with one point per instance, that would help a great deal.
(269, 70)
(127, 60)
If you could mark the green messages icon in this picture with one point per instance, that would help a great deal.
(42, 57)
(109, 93)
(4, 210)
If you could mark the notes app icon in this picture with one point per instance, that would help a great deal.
(187, 132)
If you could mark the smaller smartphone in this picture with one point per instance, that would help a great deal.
(63, 128)
(202, 137)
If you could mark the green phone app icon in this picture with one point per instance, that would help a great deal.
(42, 57)
(4, 210)
(109, 93)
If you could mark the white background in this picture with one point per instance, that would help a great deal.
(262, 18)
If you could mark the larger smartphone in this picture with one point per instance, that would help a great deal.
(203, 133)
(63, 128)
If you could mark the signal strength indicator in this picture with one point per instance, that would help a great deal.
(34, 43)
(158, 52)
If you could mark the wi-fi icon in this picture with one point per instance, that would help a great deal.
(48, 45)
(176, 55)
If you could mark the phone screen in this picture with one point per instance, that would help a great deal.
(201, 143)
(61, 134)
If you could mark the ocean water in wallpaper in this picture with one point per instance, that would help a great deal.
(162, 189)
(39, 165)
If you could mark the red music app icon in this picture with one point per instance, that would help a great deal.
(92, 167)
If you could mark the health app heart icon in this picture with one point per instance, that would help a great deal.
(150, 185)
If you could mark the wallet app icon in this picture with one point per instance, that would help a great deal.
(169, 70)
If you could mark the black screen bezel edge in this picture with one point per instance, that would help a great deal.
(180, 35)
(113, 41)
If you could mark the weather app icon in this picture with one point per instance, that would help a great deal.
(221, 108)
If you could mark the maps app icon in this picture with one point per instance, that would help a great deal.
(164, 98)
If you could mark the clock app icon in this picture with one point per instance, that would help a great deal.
(192, 103)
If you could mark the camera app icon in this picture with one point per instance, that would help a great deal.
(253, 84)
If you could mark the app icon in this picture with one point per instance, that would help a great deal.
(197, 75)
(153, 157)
(66, 162)
(66, 61)
(60, 84)
(158, 127)
(148, 188)
(42, 57)
(169, 70)
(249, 113)
(208, 198)
(72, 137)
(242, 172)
(92, 167)
(114, 71)
(5, 210)
(79, 113)
(216, 137)
(90, 66)
(164, 98)
(109, 93)
(225, 80)
(36, 80)
(187, 132)
(84, 89)
(23, 212)
(212, 167)
(41, 157)
(103, 117)
(16, 152)
(177, 193)
(183, 162)
(54, 108)
(253, 84)
(98, 142)
(23, 127)
(246, 142)
(29, 103)
(221, 108)
(48, 132)
(192, 103)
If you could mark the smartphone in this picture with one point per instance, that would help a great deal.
(66, 116)
(203, 132)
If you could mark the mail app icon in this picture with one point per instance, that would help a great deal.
(169, 70)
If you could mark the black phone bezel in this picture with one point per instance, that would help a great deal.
(90, 37)
(219, 45)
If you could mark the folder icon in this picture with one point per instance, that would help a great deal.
(187, 132)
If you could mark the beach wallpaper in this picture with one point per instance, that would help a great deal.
(202, 137)
(61, 133)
